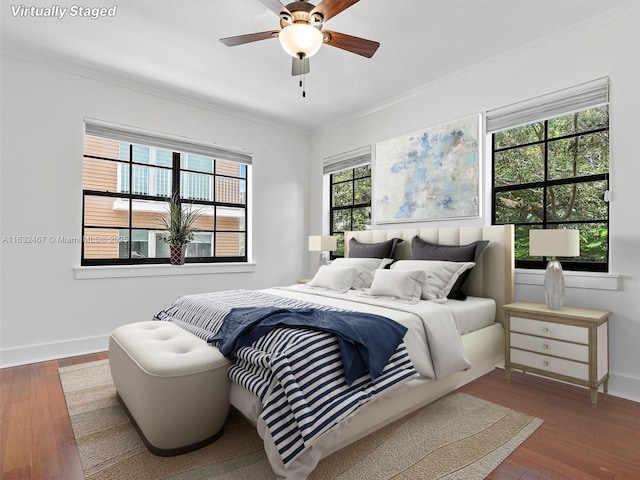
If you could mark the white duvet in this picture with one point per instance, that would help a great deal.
(433, 343)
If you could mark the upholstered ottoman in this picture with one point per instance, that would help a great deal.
(173, 385)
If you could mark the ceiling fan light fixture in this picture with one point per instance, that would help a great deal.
(301, 40)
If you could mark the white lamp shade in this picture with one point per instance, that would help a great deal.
(322, 243)
(301, 38)
(554, 243)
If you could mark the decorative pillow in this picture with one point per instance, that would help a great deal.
(421, 250)
(373, 250)
(365, 268)
(403, 285)
(338, 279)
(440, 276)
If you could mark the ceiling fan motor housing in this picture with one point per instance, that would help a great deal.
(300, 12)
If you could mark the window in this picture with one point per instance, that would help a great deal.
(126, 186)
(350, 203)
(349, 194)
(553, 173)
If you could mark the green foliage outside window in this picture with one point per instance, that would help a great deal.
(554, 174)
(350, 203)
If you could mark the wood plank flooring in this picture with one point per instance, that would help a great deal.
(576, 441)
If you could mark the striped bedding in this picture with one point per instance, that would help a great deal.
(296, 373)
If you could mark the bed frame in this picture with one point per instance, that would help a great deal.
(492, 277)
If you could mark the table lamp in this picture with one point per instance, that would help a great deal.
(554, 243)
(322, 244)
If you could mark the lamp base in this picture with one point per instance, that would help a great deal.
(554, 285)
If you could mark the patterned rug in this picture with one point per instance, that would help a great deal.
(457, 437)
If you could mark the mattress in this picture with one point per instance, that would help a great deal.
(473, 313)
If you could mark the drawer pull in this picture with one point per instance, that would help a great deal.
(545, 329)
(545, 363)
(546, 347)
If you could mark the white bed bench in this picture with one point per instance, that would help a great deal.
(173, 385)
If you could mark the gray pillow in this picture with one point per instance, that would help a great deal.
(373, 250)
(421, 250)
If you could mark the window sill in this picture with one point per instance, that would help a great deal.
(588, 280)
(129, 271)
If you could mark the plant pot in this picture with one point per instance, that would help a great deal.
(177, 254)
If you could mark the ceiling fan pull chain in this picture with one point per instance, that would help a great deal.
(302, 75)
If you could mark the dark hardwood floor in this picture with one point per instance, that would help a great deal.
(576, 441)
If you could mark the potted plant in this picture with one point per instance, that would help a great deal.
(179, 224)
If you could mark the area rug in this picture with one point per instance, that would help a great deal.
(457, 437)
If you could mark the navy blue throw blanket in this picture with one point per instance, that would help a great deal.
(366, 341)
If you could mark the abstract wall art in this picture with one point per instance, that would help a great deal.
(431, 174)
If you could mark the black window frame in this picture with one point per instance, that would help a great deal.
(176, 171)
(351, 207)
(567, 263)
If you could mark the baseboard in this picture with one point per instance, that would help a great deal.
(624, 387)
(51, 351)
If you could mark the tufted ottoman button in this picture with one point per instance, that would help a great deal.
(173, 385)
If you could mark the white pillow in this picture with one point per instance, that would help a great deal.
(440, 275)
(403, 285)
(338, 279)
(364, 266)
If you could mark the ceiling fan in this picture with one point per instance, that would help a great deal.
(301, 34)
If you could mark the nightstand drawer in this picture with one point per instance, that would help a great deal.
(558, 331)
(572, 351)
(558, 366)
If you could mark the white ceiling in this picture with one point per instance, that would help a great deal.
(174, 45)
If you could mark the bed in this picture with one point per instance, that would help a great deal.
(462, 340)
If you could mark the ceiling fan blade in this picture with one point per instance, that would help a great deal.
(276, 7)
(360, 46)
(331, 8)
(248, 38)
(299, 66)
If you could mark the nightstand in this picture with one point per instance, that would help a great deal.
(571, 344)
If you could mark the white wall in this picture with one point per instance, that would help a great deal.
(611, 50)
(45, 312)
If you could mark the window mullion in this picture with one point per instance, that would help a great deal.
(545, 190)
(130, 243)
(175, 174)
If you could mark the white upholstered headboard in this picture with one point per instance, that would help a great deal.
(493, 275)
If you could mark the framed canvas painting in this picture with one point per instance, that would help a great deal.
(431, 174)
